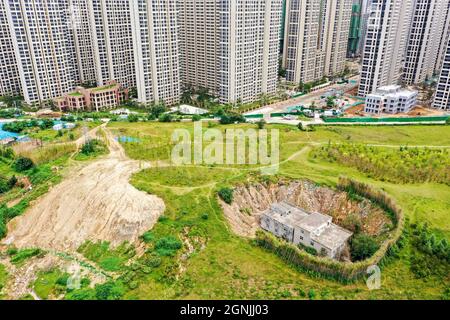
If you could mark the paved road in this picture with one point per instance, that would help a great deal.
(305, 100)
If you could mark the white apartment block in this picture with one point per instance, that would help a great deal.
(390, 99)
(80, 24)
(316, 38)
(199, 44)
(155, 35)
(249, 37)
(429, 29)
(10, 79)
(442, 96)
(385, 44)
(58, 44)
(43, 47)
(112, 39)
(231, 47)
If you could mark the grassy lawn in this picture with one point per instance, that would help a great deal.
(50, 135)
(51, 282)
(225, 266)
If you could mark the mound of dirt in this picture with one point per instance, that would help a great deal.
(250, 201)
(96, 203)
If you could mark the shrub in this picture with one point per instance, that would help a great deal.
(226, 194)
(196, 118)
(133, 117)
(4, 187)
(25, 254)
(12, 182)
(165, 117)
(362, 247)
(261, 124)
(167, 246)
(231, 118)
(311, 294)
(152, 260)
(23, 164)
(2, 228)
(109, 291)
(148, 237)
(88, 147)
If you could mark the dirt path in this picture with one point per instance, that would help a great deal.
(95, 203)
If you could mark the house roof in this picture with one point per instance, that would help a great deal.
(314, 221)
(332, 237)
(286, 213)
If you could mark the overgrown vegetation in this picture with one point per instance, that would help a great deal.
(50, 284)
(18, 257)
(20, 126)
(108, 259)
(362, 247)
(403, 165)
(91, 149)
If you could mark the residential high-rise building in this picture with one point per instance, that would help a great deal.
(442, 95)
(54, 45)
(199, 44)
(231, 47)
(10, 79)
(385, 44)
(354, 36)
(316, 38)
(112, 36)
(429, 28)
(44, 47)
(80, 23)
(156, 54)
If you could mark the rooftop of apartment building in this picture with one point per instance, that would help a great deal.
(393, 91)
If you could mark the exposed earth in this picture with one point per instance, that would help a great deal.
(95, 203)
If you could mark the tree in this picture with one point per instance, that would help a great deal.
(330, 102)
(363, 247)
(263, 99)
(165, 117)
(157, 109)
(12, 101)
(226, 194)
(261, 124)
(448, 121)
(186, 95)
(23, 164)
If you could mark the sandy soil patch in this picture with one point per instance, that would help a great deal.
(95, 203)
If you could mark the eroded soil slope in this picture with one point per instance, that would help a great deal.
(95, 203)
(251, 200)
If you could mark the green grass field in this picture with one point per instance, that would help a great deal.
(225, 266)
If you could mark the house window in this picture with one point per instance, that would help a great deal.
(312, 243)
(301, 238)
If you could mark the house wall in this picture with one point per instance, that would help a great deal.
(277, 228)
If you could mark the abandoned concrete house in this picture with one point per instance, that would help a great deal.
(313, 230)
